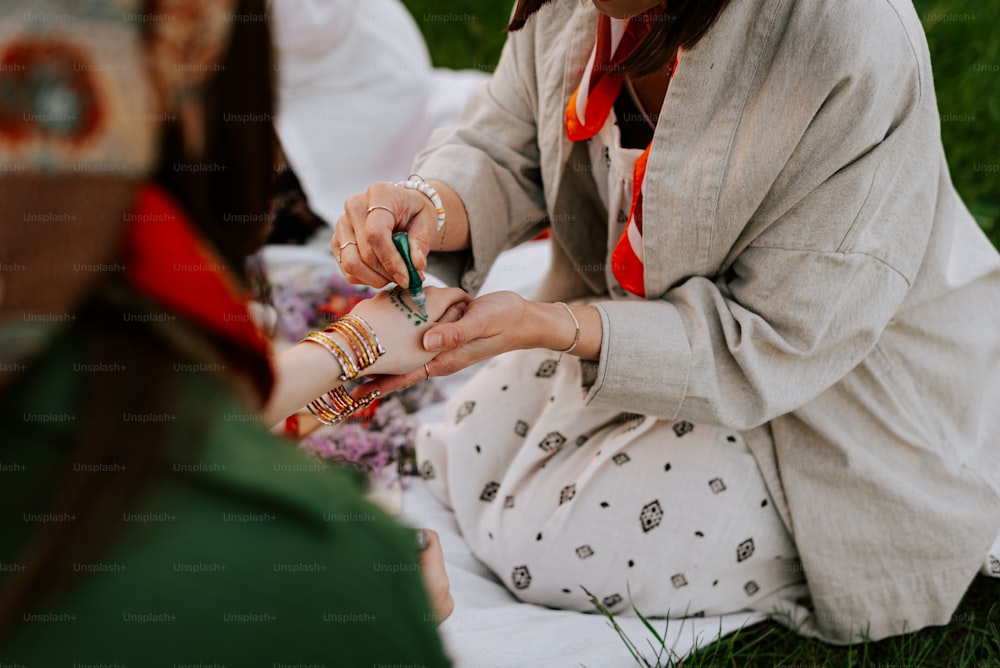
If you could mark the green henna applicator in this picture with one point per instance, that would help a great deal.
(416, 289)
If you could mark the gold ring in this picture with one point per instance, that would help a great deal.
(347, 243)
(384, 208)
(428, 372)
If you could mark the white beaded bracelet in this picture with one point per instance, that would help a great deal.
(420, 185)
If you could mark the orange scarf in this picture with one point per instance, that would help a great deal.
(586, 113)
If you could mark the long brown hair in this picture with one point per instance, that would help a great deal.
(230, 208)
(680, 26)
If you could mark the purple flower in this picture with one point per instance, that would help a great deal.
(389, 437)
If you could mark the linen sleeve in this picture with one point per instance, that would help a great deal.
(490, 158)
(812, 282)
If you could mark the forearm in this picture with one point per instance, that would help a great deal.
(302, 373)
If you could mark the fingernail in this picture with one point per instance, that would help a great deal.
(423, 540)
(432, 341)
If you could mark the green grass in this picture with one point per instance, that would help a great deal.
(964, 51)
(972, 640)
(966, 60)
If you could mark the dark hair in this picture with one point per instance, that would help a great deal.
(147, 383)
(679, 26)
(231, 206)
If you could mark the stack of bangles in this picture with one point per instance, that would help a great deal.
(364, 349)
(418, 184)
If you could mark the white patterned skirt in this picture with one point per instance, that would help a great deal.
(560, 499)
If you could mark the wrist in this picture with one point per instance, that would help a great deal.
(578, 334)
(352, 342)
(554, 326)
(454, 235)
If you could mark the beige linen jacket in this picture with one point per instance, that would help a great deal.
(814, 280)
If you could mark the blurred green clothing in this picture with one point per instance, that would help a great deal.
(243, 552)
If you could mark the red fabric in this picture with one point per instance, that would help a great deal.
(627, 267)
(168, 262)
(605, 79)
(604, 85)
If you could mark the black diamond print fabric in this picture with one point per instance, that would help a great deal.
(464, 411)
(553, 441)
(651, 516)
(567, 493)
(521, 577)
(547, 369)
(547, 533)
(490, 491)
(683, 428)
(612, 600)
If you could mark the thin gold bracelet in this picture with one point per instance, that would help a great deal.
(367, 330)
(364, 354)
(338, 405)
(348, 369)
(576, 337)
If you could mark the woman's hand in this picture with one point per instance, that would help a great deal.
(435, 577)
(306, 370)
(497, 323)
(400, 328)
(362, 241)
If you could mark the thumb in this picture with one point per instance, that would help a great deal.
(445, 337)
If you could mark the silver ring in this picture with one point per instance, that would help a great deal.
(340, 255)
(428, 372)
(379, 206)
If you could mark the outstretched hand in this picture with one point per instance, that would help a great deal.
(396, 321)
(491, 325)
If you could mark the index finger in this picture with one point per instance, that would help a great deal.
(386, 213)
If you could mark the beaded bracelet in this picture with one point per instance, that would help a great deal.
(418, 184)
